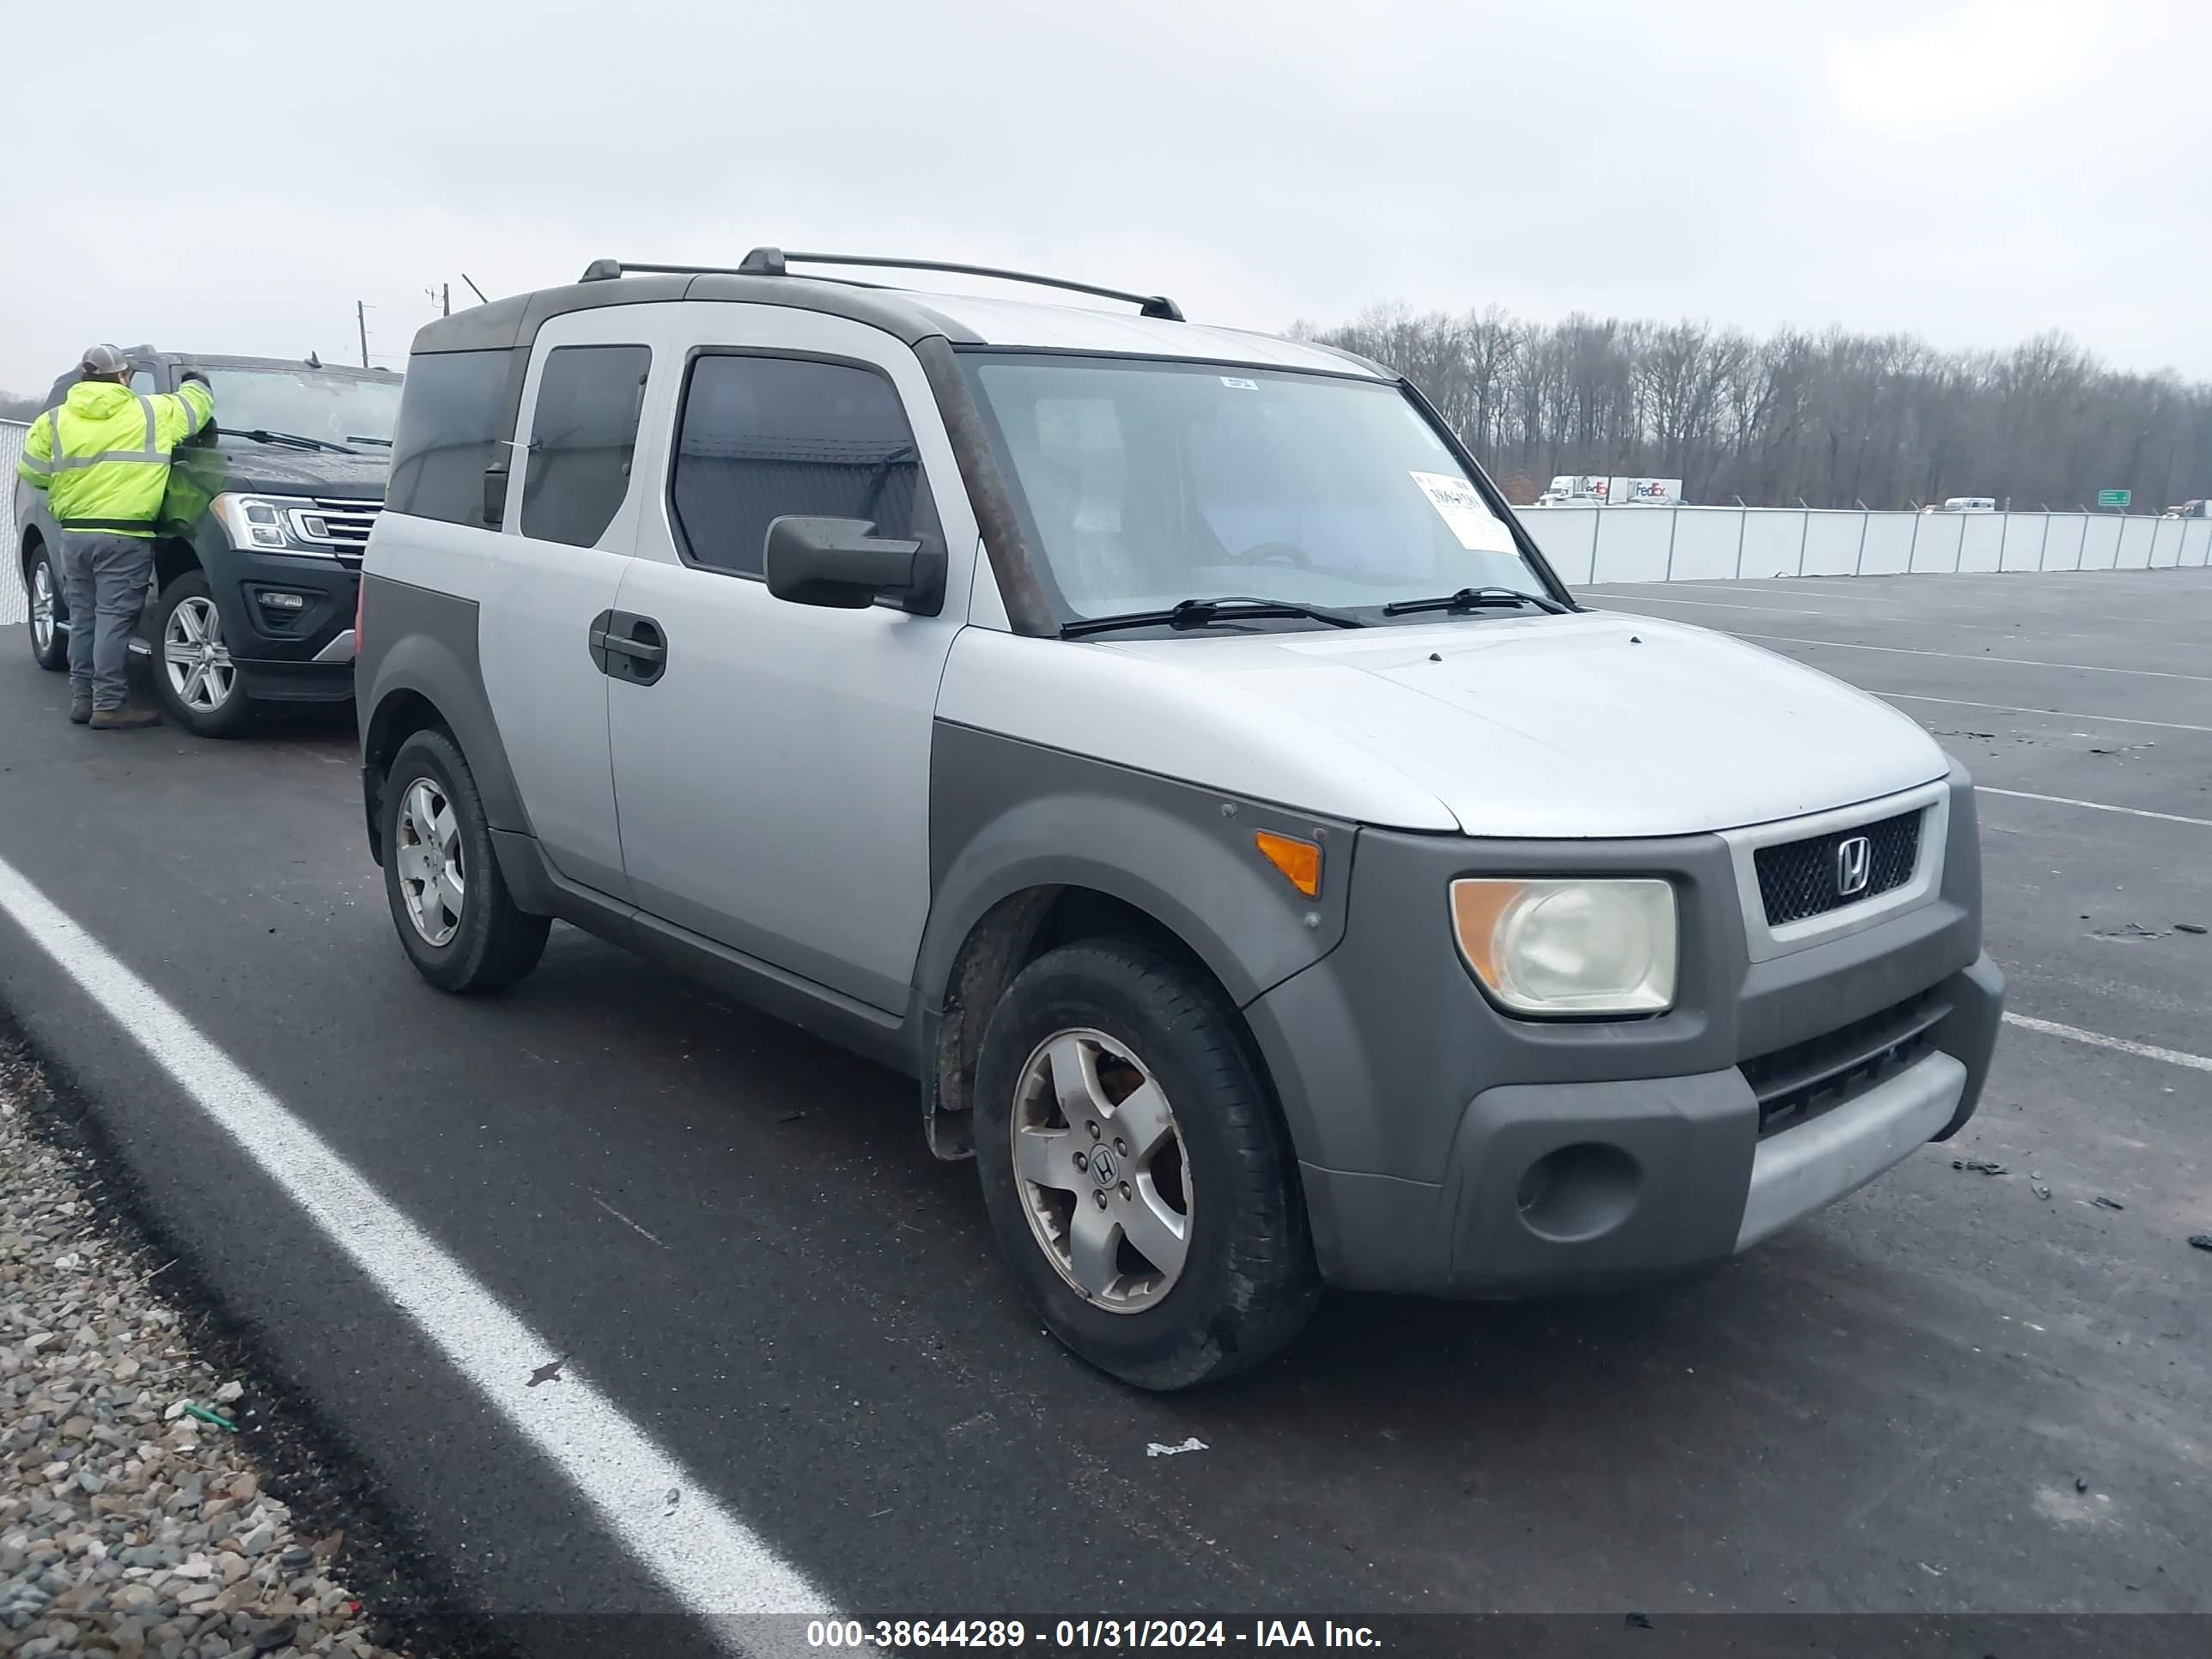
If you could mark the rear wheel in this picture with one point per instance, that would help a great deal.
(49, 639)
(1138, 1177)
(456, 920)
(200, 687)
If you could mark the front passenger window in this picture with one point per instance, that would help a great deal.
(761, 437)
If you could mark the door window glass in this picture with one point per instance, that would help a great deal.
(451, 417)
(761, 437)
(581, 438)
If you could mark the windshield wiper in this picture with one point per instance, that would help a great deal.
(1203, 613)
(355, 438)
(1477, 598)
(263, 436)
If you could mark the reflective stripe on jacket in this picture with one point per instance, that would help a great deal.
(102, 457)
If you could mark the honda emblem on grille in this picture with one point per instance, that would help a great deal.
(1854, 864)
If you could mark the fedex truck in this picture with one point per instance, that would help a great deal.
(1585, 490)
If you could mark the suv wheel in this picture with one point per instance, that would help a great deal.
(49, 644)
(200, 687)
(456, 921)
(1138, 1178)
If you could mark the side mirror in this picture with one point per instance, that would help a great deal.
(842, 563)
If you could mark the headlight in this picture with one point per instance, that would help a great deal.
(1568, 947)
(286, 525)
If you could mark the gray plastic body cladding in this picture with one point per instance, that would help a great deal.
(1400, 1079)
(1007, 815)
(536, 887)
(425, 642)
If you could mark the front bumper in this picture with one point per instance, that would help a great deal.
(1447, 1150)
(302, 655)
(1561, 1186)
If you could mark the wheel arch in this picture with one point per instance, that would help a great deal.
(1012, 931)
(419, 671)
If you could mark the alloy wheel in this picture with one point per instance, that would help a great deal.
(1100, 1165)
(197, 661)
(42, 606)
(428, 857)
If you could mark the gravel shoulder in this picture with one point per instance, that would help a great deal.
(139, 1505)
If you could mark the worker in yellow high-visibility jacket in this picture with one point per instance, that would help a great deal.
(102, 457)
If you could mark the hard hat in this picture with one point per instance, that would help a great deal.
(103, 360)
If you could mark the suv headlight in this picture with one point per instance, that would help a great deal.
(281, 523)
(1568, 947)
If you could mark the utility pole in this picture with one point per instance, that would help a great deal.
(361, 317)
(445, 299)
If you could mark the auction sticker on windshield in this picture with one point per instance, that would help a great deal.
(1465, 513)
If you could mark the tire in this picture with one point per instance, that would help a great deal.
(42, 587)
(1108, 1014)
(199, 687)
(485, 943)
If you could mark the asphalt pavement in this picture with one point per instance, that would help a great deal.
(1945, 1395)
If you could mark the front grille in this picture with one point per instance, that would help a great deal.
(1801, 878)
(1807, 1078)
(344, 525)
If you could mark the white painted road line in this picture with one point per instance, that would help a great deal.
(1980, 656)
(2051, 714)
(2092, 806)
(709, 1560)
(2142, 1051)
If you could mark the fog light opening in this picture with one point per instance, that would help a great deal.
(1578, 1192)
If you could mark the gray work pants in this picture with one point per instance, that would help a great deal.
(106, 578)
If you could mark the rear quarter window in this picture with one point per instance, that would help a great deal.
(453, 416)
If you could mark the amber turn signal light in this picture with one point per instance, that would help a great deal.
(1298, 860)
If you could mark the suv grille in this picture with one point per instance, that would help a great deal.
(344, 526)
(1800, 878)
(1807, 1078)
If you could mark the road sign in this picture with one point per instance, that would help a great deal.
(2114, 497)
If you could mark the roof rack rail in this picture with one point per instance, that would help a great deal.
(774, 262)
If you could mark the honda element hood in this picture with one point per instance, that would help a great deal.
(1589, 726)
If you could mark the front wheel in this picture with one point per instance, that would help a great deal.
(456, 920)
(49, 641)
(200, 687)
(1138, 1177)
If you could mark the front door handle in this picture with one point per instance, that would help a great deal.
(626, 647)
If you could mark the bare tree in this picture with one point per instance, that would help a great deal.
(1833, 418)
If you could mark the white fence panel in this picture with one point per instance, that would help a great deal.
(15, 603)
(1773, 542)
(2022, 546)
(1565, 536)
(1940, 537)
(1633, 544)
(1981, 541)
(1891, 538)
(1831, 544)
(2196, 541)
(2063, 550)
(2100, 544)
(2134, 544)
(1706, 542)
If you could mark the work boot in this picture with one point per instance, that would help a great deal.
(128, 717)
(80, 710)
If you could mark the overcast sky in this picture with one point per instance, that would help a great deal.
(1972, 172)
